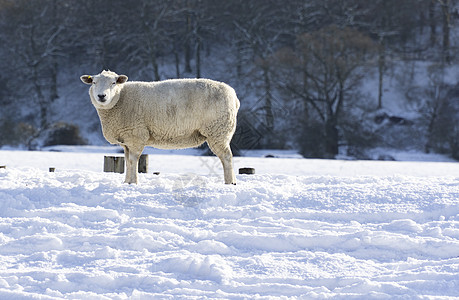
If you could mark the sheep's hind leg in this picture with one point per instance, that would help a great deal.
(226, 157)
(131, 156)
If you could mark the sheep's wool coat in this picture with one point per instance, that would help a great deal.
(170, 114)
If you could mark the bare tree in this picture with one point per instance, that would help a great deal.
(152, 15)
(448, 8)
(200, 26)
(258, 33)
(438, 110)
(391, 24)
(322, 72)
(38, 45)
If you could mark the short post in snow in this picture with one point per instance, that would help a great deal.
(248, 171)
(143, 163)
(116, 164)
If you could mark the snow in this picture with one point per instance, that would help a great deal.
(298, 228)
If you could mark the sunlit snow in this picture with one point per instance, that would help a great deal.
(297, 228)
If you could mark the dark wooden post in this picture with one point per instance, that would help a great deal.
(143, 163)
(116, 164)
(247, 171)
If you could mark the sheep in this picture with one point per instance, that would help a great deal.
(169, 114)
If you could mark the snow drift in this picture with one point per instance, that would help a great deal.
(366, 230)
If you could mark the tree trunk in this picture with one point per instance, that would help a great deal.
(268, 100)
(446, 30)
(432, 23)
(432, 122)
(54, 95)
(239, 59)
(177, 63)
(43, 123)
(54, 65)
(187, 41)
(198, 57)
(103, 54)
(154, 63)
(331, 138)
(188, 57)
(176, 57)
(381, 69)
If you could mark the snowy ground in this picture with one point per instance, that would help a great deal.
(298, 228)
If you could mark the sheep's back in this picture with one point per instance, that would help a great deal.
(173, 107)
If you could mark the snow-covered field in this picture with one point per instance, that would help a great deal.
(298, 228)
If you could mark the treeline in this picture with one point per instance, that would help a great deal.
(299, 66)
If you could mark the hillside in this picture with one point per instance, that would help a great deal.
(324, 78)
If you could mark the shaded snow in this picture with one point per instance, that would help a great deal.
(297, 228)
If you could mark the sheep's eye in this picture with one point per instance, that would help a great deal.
(93, 82)
(114, 83)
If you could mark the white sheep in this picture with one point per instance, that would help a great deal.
(170, 114)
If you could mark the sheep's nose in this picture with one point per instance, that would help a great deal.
(101, 97)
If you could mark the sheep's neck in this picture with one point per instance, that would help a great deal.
(107, 115)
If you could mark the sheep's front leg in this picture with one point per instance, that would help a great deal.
(131, 156)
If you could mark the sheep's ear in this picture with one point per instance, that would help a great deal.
(86, 79)
(121, 79)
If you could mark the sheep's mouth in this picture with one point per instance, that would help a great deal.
(102, 100)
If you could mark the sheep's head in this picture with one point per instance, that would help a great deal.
(104, 88)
